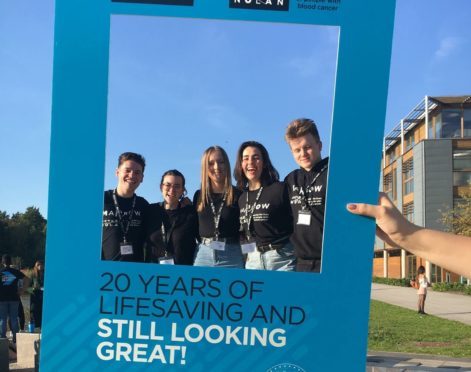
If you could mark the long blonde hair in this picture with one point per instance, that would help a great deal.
(204, 195)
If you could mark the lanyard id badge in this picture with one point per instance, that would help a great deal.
(166, 260)
(248, 246)
(125, 248)
(304, 218)
(217, 245)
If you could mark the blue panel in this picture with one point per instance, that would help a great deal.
(320, 320)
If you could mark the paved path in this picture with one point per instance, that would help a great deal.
(401, 362)
(444, 305)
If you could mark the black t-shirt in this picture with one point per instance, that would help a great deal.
(113, 233)
(229, 221)
(178, 237)
(308, 189)
(271, 221)
(9, 284)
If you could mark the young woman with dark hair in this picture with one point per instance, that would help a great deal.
(265, 212)
(171, 228)
(218, 213)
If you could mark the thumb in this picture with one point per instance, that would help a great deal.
(363, 209)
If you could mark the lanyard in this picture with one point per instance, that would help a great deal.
(124, 230)
(248, 217)
(303, 193)
(166, 234)
(217, 215)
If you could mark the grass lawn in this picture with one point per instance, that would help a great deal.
(395, 329)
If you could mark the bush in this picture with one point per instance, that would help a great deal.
(452, 287)
(439, 287)
(404, 282)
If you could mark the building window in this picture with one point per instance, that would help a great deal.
(389, 184)
(390, 157)
(394, 253)
(451, 123)
(461, 167)
(411, 267)
(408, 211)
(435, 274)
(409, 141)
(461, 178)
(462, 159)
(438, 126)
(378, 254)
(467, 122)
(408, 176)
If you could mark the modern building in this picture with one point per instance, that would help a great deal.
(426, 169)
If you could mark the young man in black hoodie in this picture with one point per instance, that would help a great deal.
(123, 213)
(307, 191)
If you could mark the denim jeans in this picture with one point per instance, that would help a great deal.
(230, 257)
(281, 259)
(9, 309)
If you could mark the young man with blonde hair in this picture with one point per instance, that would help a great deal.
(307, 191)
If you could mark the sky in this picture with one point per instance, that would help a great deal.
(431, 50)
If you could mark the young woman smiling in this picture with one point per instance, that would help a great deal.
(265, 212)
(172, 228)
(218, 213)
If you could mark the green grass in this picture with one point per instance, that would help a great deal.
(395, 329)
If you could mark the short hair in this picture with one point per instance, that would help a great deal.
(421, 270)
(301, 127)
(175, 173)
(6, 259)
(206, 189)
(138, 158)
(269, 173)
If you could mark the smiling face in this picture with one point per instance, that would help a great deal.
(306, 151)
(130, 175)
(172, 190)
(216, 168)
(252, 166)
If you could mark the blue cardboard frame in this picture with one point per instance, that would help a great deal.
(328, 327)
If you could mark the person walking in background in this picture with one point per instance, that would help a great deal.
(265, 212)
(421, 283)
(37, 290)
(218, 213)
(171, 227)
(10, 288)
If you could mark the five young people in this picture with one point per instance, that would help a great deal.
(261, 223)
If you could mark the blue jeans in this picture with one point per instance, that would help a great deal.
(281, 259)
(9, 309)
(230, 257)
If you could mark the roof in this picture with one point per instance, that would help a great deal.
(418, 114)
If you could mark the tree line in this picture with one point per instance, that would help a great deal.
(23, 236)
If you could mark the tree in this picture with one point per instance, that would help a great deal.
(23, 235)
(457, 220)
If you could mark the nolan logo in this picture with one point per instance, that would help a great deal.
(260, 4)
(162, 2)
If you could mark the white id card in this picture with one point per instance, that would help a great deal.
(248, 247)
(304, 218)
(166, 261)
(125, 249)
(217, 245)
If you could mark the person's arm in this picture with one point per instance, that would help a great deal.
(453, 252)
